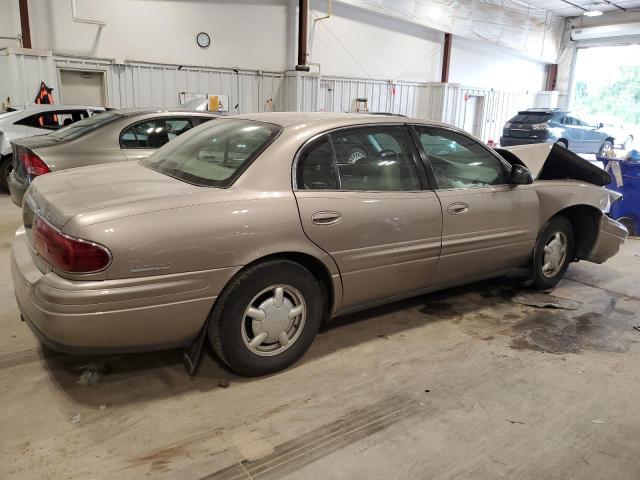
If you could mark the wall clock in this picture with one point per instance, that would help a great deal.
(203, 39)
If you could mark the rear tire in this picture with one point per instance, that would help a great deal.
(553, 252)
(605, 147)
(6, 165)
(257, 330)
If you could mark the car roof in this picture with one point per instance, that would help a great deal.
(545, 110)
(289, 119)
(35, 108)
(129, 112)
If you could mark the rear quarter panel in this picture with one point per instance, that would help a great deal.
(235, 229)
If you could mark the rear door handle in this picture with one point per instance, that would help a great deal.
(457, 208)
(326, 218)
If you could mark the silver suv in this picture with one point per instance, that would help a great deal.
(578, 133)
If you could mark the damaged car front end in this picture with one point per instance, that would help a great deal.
(564, 180)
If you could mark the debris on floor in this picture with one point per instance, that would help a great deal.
(93, 374)
(75, 419)
(223, 384)
(637, 328)
(544, 300)
(102, 407)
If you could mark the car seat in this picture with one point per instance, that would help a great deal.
(317, 170)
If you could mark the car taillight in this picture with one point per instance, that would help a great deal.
(66, 253)
(32, 164)
(539, 126)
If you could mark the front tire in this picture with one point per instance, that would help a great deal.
(553, 252)
(266, 318)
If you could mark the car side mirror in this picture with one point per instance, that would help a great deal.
(521, 175)
(600, 125)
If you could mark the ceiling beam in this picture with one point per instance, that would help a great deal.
(574, 5)
(614, 5)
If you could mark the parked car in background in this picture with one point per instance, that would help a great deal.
(27, 121)
(580, 134)
(113, 136)
(254, 228)
(622, 134)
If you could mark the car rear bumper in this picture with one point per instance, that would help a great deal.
(611, 236)
(112, 316)
(17, 189)
(512, 142)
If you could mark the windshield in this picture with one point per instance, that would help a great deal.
(531, 117)
(213, 155)
(82, 127)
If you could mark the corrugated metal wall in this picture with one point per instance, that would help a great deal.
(138, 84)
(22, 72)
(497, 107)
(339, 95)
(153, 85)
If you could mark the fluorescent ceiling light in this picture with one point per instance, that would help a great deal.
(593, 13)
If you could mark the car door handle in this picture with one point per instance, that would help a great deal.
(457, 208)
(326, 218)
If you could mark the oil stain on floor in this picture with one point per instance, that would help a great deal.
(486, 313)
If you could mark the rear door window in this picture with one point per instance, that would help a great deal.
(316, 167)
(372, 158)
(572, 120)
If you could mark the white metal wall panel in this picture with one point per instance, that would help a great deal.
(23, 73)
(339, 95)
(497, 108)
(301, 93)
(154, 85)
(547, 99)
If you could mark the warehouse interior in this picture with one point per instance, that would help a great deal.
(481, 377)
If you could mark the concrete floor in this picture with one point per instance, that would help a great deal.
(461, 384)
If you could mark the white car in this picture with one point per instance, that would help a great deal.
(27, 121)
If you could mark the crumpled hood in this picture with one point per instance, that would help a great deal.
(553, 162)
(124, 188)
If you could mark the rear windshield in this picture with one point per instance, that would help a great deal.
(82, 127)
(531, 117)
(214, 154)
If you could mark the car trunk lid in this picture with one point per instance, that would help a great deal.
(60, 196)
(29, 144)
